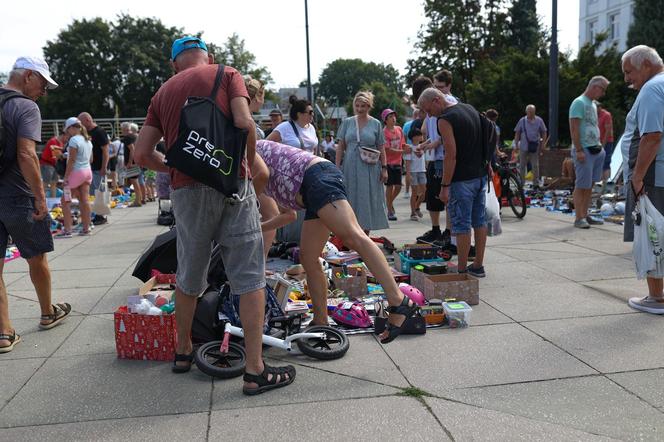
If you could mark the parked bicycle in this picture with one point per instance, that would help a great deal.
(511, 186)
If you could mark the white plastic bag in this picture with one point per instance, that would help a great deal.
(102, 202)
(648, 249)
(493, 212)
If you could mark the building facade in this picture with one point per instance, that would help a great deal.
(611, 16)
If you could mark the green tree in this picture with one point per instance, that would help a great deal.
(142, 51)
(343, 78)
(4, 76)
(234, 54)
(524, 28)
(82, 61)
(646, 28)
(384, 98)
(453, 38)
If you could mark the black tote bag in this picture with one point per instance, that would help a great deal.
(209, 148)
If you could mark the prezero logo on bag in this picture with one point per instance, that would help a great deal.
(209, 148)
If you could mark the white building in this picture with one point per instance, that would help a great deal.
(611, 16)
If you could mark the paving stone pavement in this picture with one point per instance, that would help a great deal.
(553, 353)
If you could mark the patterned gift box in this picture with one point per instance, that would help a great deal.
(144, 337)
(462, 287)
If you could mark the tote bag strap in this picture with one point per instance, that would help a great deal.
(217, 82)
(297, 133)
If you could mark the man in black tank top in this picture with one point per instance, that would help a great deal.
(464, 180)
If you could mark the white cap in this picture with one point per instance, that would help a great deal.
(71, 121)
(38, 65)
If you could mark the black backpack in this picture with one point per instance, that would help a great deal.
(6, 157)
(209, 148)
(488, 138)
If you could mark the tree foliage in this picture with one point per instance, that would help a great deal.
(343, 78)
(646, 27)
(102, 65)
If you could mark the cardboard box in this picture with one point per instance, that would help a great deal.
(420, 251)
(354, 284)
(462, 287)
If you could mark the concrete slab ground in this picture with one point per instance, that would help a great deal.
(553, 353)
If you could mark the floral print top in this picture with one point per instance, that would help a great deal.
(287, 165)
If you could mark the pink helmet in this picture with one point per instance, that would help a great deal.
(413, 293)
(352, 314)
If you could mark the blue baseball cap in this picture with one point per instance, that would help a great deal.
(189, 42)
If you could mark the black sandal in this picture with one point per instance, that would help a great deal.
(407, 308)
(60, 312)
(182, 358)
(13, 340)
(278, 379)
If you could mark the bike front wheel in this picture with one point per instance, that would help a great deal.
(516, 197)
(333, 345)
(213, 363)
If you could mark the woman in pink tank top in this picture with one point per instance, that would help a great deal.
(287, 179)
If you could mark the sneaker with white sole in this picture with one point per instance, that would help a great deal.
(594, 221)
(648, 304)
(581, 224)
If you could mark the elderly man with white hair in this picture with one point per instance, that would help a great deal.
(529, 135)
(644, 71)
(587, 152)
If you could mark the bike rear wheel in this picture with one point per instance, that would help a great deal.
(334, 345)
(515, 196)
(213, 363)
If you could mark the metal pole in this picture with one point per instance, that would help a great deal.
(553, 77)
(306, 27)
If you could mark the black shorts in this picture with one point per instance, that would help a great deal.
(112, 164)
(30, 236)
(434, 204)
(393, 175)
(323, 184)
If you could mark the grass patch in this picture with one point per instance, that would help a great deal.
(414, 392)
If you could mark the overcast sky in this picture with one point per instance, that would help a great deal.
(383, 31)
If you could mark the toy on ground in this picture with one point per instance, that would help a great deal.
(352, 314)
(413, 293)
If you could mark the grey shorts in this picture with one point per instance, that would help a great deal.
(48, 173)
(590, 171)
(418, 178)
(205, 215)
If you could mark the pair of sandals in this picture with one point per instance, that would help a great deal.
(269, 379)
(60, 312)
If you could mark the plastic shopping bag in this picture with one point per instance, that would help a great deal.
(648, 249)
(102, 202)
(493, 212)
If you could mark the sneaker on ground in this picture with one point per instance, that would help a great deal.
(413, 217)
(63, 235)
(648, 304)
(418, 212)
(581, 224)
(594, 221)
(406, 195)
(431, 236)
(477, 272)
(391, 217)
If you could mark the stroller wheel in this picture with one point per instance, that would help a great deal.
(213, 363)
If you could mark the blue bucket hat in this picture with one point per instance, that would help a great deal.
(189, 42)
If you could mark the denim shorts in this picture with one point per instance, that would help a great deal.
(590, 171)
(467, 205)
(205, 215)
(32, 237)
(323, 184)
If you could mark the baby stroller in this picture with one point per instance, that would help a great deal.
(165, 215)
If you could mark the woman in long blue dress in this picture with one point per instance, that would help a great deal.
(364, 181)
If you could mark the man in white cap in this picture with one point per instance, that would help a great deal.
(24, 215)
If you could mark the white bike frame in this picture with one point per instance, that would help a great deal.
(284, 344)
